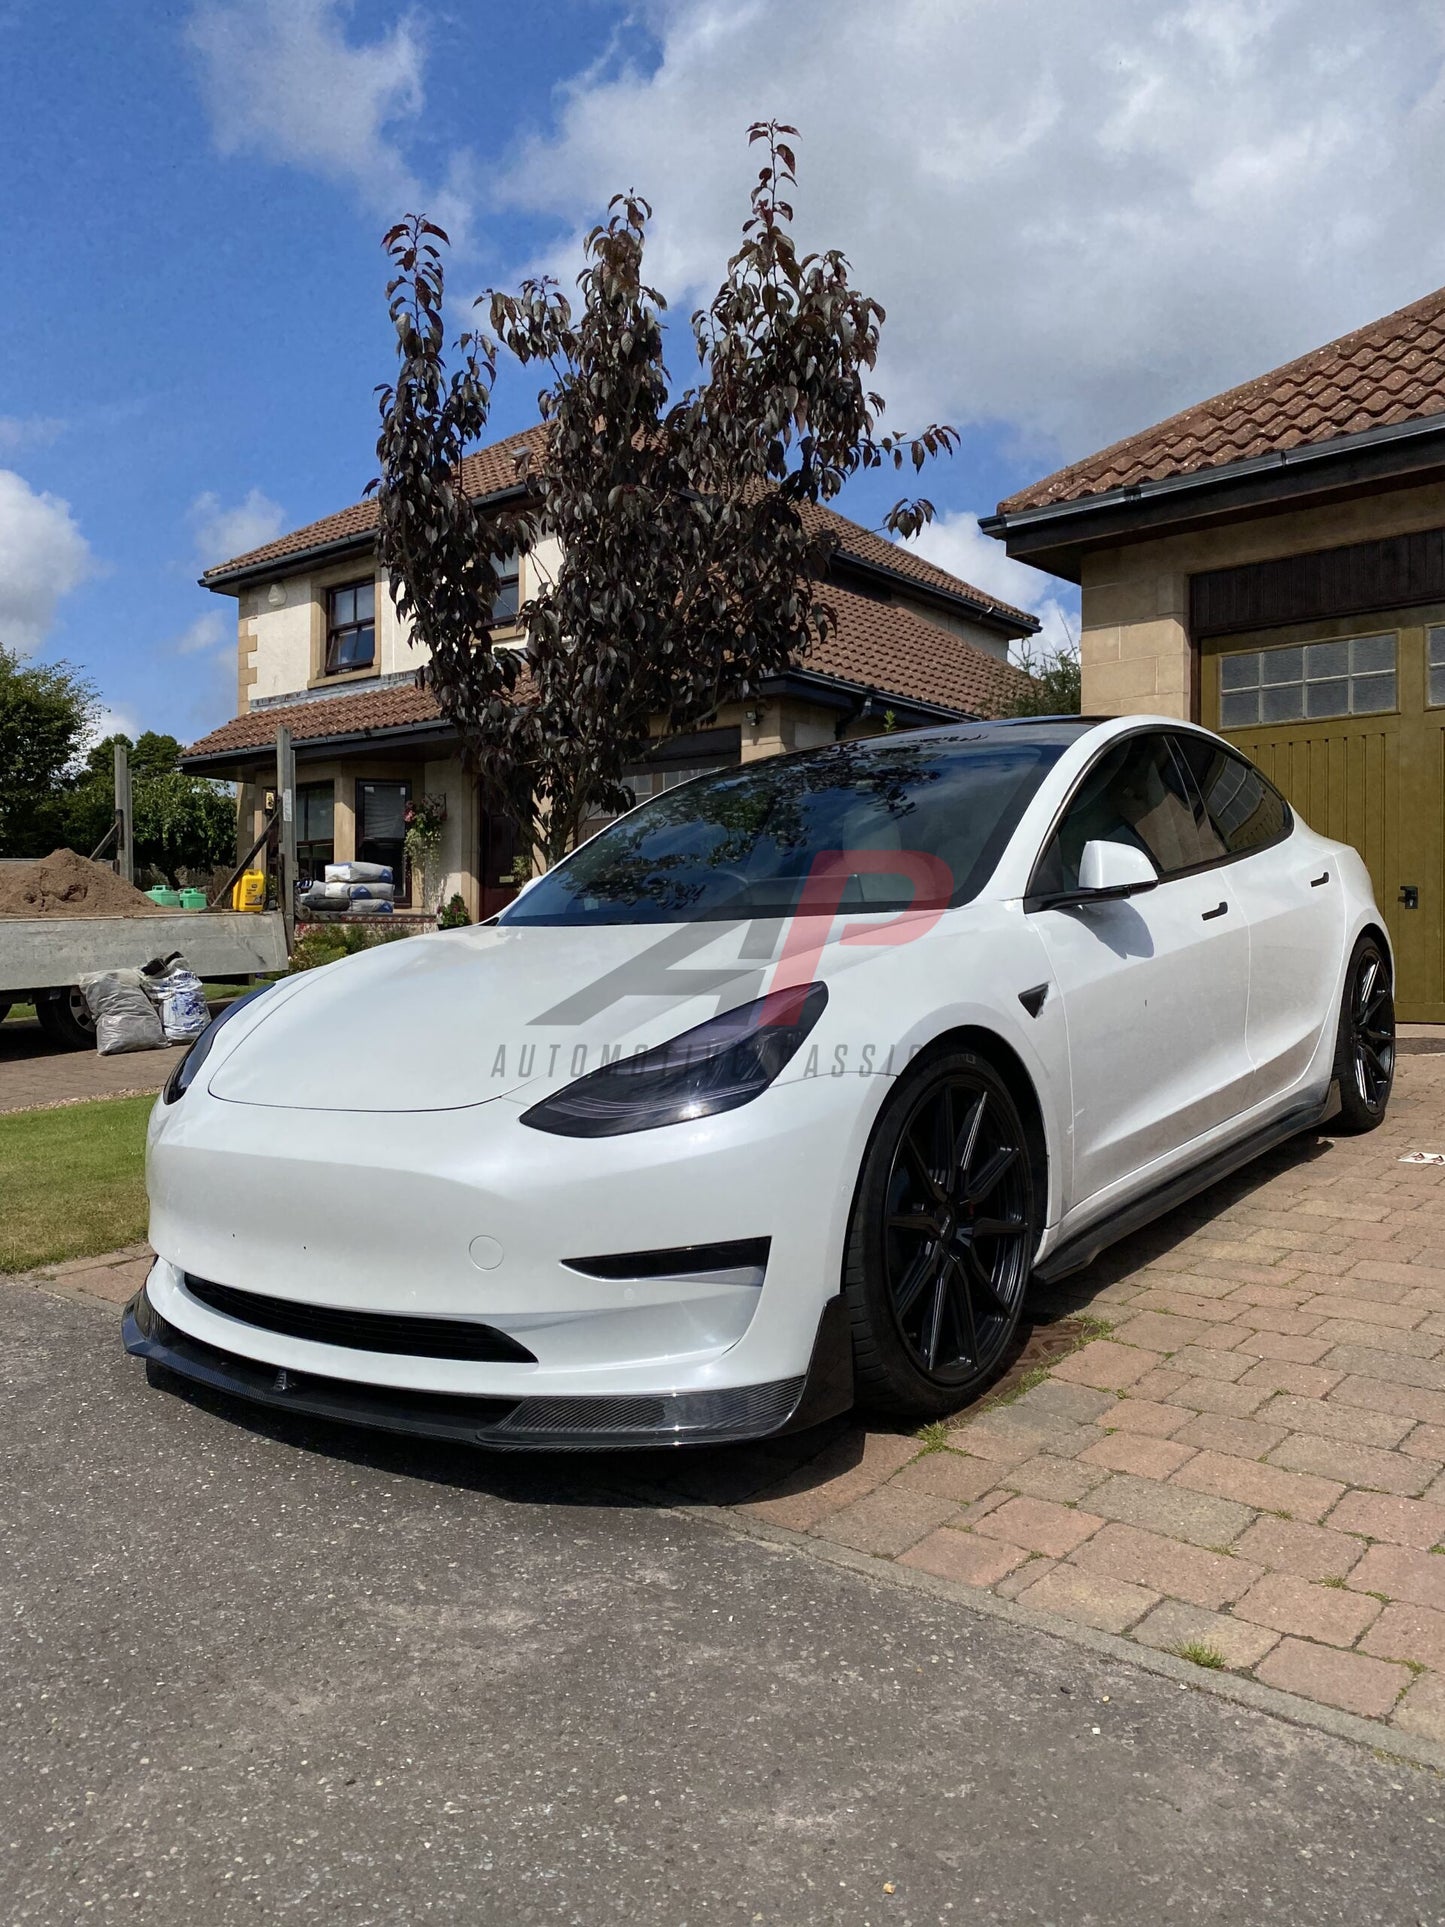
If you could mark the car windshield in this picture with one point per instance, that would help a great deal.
(741, 842)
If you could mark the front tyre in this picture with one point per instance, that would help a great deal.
(942, 1239)
(65, 1018)
(1365, 1048)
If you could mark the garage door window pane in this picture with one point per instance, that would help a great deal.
(1370, 694)
(1283, 702)
(1242, 672)
(1372, 674)
(1328, 698)
(1435, 642)
(1372, 652)
(1324, 659)
(1282, 665)
(1352, 677)
(1238, 708)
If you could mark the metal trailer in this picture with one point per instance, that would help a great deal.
(42, 959)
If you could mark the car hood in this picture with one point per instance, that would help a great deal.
(457, 1018)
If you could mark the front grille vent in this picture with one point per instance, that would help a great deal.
(363, 1331)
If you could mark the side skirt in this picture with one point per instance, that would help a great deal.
(1085, 1246)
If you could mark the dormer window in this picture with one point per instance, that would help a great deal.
(350, 628)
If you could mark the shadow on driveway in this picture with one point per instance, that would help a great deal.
(1058, 1317)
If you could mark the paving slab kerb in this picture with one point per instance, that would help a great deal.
(1244, 1467)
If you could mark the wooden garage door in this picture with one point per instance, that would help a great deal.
(1339, 716)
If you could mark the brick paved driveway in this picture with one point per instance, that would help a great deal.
(33, 1073)
(1249, 1468)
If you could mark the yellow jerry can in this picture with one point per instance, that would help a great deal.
(249, 891)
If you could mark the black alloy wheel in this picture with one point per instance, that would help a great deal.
(1365, 1051)
(943, 1237)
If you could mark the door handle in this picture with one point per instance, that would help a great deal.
(1208, 916)
(1323, 877)
(1409, 896)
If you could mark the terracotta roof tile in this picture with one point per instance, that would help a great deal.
(488, 472)
(401, 707)
(883, 646)
(866, 545)
(1347, 386)
(877, 645)
(493, 469)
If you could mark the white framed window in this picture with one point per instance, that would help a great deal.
(350, 627)
(1308, 682)
(509, 589)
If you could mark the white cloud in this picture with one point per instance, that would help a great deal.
(956, 543)
(208, 631)
(283, 79)
(1078, 217)
(223, 532)
(110, 722)
(43, 556)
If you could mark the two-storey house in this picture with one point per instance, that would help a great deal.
(320, 648)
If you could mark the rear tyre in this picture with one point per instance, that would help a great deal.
(942, 1240)
(1365, 1050)
(66, 1020)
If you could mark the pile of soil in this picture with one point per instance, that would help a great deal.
(66, 885)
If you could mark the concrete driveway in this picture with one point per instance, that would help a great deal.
(279, 1673)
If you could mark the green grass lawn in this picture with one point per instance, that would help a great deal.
(72, 1181)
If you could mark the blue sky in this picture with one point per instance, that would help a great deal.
(1079, 219)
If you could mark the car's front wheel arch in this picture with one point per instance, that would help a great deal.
(943, 1225)
(1381, 936)
(1005, 1061)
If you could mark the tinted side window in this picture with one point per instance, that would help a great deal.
(1137, 793)
(1245, 809)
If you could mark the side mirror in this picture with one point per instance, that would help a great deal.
(1114, 870)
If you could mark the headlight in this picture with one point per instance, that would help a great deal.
(186, 1072)
(721, 1064)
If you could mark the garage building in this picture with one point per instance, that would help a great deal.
(1271, 563)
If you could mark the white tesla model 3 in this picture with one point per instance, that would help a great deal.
(771, 1096)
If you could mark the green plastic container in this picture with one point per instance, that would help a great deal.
(166, 898)
(193, 899)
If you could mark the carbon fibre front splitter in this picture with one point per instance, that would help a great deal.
(555, 1424)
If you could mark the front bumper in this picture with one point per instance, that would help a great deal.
(555, 1423)
(473, 1217)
